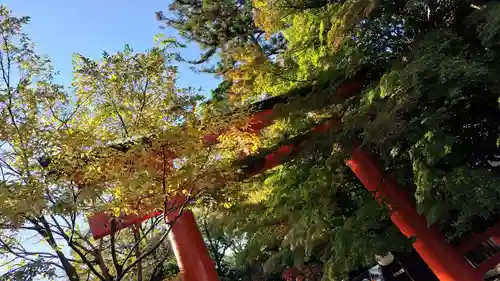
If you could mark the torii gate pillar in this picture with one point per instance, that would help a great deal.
(447, 263)
(189, 248)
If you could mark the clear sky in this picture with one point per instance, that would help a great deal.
(60, 28)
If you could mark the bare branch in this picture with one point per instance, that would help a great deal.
(136, 245)
(45, 231)
(144, 255)
(118, 267)
(100, 262)
(137, 238)
(158, 265)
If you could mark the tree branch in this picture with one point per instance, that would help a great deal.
(118, 267)
(44, 229)
(100, 262)
(136, 245)
(77, 248)
(137, 239)
(209, 238)
(157, 266)
(144, 255)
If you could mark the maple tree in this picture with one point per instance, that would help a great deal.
(125, 140)
(130, 139)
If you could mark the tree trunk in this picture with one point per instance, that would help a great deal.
(46, 232)
(137, 237)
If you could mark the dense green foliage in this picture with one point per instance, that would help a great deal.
(130, 137)
(429, 109)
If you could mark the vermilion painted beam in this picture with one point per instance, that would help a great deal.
(189, 248)
(186, 240)
(478, 238)
(447, 263)
(258, 164)
(488, 264)
(100, 223)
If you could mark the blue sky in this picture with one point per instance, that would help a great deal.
(61, 27)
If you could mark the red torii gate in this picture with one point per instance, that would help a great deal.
(447, 263)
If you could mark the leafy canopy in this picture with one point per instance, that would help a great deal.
(429, 109)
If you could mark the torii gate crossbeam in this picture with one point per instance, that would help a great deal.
(447, 263)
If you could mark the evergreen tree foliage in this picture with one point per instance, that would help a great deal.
(428, 108)
(130, 138)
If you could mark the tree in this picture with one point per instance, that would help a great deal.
(140, 253)
(219, 25)
(428, 108)
(225, 246)
(132, 139)
(123, 143)
(24, 109)
(226, 31)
